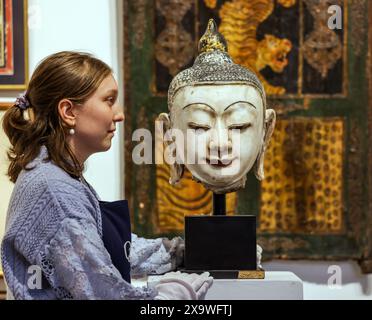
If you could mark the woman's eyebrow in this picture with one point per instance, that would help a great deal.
(200, 105)
(112, 92)
(243, 102)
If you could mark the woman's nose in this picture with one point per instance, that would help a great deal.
(119, 116)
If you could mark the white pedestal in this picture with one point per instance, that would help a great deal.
(275, 286)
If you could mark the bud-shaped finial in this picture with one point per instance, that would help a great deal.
(212, 40)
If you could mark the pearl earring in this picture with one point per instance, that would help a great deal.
(72, 132)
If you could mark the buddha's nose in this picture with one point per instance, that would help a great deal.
(220, 145)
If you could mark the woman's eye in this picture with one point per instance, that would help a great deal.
(240, 126)
(111, 100)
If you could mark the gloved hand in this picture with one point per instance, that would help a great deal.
(183, 286)
(176, 250)
(259, 257)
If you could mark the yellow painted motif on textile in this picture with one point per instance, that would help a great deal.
(302, 190)
(239, 22)
(187, 198)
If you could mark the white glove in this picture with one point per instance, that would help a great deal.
(174, 289)
(176, 249)
(259, 257)
(183, 286)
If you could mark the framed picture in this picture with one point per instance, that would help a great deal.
(2, 287)
(315, 202)
(5, 105)
(13, 45)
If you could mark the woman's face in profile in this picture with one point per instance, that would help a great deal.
(96, 119)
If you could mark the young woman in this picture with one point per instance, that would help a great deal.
(56, 223)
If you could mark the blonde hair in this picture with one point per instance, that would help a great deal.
(64, 75)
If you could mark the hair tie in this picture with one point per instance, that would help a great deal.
(22, 102)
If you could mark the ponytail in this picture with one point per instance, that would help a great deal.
(21, 133)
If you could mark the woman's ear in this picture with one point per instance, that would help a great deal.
(66, 110)
(176, 169)
(270, 119)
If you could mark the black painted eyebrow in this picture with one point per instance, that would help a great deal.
(199, 103)
(245, 102)
(214, 111)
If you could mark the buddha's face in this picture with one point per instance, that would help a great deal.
(223, 131)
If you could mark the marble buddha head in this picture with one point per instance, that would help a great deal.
(220, 109)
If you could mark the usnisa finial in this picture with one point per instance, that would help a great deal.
(212, 40)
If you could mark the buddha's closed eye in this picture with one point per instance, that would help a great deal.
(205, 127)
(241, 126)
(197, 126)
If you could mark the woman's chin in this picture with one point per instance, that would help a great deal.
(106, 145)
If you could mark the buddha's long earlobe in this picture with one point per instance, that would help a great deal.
(270, 119)
(176, 170)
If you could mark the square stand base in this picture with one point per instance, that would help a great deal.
(275, 286)
(231, 274)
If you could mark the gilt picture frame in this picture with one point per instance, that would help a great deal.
(5, 105)
(13, 45)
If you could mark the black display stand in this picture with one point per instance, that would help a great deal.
(219, 204)
(223, 245)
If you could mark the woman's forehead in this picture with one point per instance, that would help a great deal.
(108, 84)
